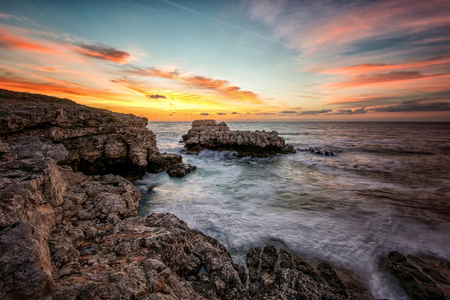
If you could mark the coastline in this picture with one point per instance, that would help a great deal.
(80, 232)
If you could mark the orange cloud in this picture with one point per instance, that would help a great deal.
(14, 81)
(8, 40)
(222, 87)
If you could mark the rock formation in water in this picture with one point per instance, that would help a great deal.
(98, 141)
(180, 170)
(207, 134)
(421, 277)
(318, 150)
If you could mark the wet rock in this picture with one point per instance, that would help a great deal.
(421, 277)
(277, 274)
(318, 150)
(161, 162)
(97, 141)
(180, 170)
(207, 134)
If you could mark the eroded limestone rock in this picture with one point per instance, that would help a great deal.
(207, 134)
(98, 141)
(65, 235)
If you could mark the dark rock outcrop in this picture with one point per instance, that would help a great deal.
(180, 170)
(318, 150)
(98, 141)
(421, 277)
(277, 274)
(207, 134)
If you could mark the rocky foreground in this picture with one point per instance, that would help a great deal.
(65, 234)
(207, 134)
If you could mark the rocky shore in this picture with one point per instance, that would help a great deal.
(69, 226)
(207, 134)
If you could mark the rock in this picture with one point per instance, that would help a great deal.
(161, 162)
(207, 134)
(318, 150)
(180, 170)
(66, 235)
(421, 277)
(277, 274)
(97, 141)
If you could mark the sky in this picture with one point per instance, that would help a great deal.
(237, 60)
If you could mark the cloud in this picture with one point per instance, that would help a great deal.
(376, 78)
(221, 114)
(415, 105)
(103, 52)
(288, 112)
(441, 61)
(219, 86)
(314, 112)
(204, 114)
(48, 85)
(235, 113)
(156, 96)
(359, 111)
(329, 27)
(265, 114)
(9, 40)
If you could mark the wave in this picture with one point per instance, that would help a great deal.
(217, 155)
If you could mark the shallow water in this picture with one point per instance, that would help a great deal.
(387, 188)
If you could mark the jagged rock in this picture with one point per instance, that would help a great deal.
(421, 277)
(207, 134)
(180, 170)
(98, 141)
(277, 274)
(161, 162)
(65, 235)
(318, 150)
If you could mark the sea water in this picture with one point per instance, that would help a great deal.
(387, 188)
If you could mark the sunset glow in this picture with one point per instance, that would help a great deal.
(243, 60)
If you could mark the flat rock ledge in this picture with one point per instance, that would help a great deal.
(97, 141)
(207, 134)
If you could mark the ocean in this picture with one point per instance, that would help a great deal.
(387, 188)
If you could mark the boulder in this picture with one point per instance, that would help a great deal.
(180, 170)
(207, 134)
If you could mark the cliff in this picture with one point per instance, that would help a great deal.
(97, 141)
(207, 134)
